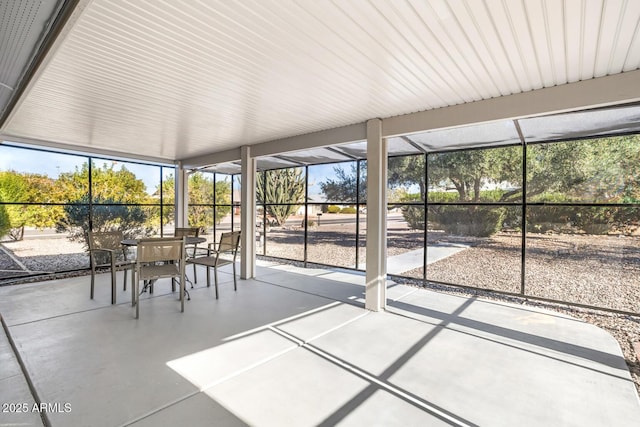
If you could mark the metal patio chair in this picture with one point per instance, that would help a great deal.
(225, 254)
(157, 259)
(106, 251)
(191, 250)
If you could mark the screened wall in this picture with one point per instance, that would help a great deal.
(214, 203)
(542, 207)
(556, 220)
(50, 200)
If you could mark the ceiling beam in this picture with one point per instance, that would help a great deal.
(604, 91)
(231, 155)
(341, 135)
(82, 150)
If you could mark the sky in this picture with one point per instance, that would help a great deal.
(53, 164)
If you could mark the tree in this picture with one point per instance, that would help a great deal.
(407, 171)
(107, 215)
(28, 188)
(12, 188)
(603, 170)
(469, 171)
(201, 199)
(5, 223)
(114, 195)
(342, 188)
(277, 187)
(596, 170)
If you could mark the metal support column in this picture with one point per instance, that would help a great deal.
(181, 197)
(376, 274)
(248, 215)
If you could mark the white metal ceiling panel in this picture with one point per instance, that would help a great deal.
(176, 79)
(23, 25)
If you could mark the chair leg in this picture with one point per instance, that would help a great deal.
(208, 276)
(182, 286)
(235, 284)
(137, 298)
(195, 275)
(134, 287)
(113, 286)
(93, 278)
(215, 275)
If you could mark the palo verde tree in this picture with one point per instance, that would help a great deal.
(281, 190)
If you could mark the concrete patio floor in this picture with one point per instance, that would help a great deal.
(295, 347)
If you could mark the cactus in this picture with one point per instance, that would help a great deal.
(280, 189)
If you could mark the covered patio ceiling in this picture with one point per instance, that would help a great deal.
(579, 124)
(170, 80)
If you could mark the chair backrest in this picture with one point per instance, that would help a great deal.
(229, 242)
(186, 232)
(160, 249)
(105, 239)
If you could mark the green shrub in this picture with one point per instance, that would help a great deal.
(443, 197)
(550, 197)
(310, 222)
(348, 210)
(411, 197)
(595, 220)
(414, 215)
(491, 195)
(541, 219)
(333, 209)
(474, 221)
(454, 196)
(5, 225)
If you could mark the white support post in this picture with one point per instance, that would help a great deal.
(376, 275)
(248, 215)
(181, 196)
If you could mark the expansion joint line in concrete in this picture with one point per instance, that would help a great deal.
(367, 376)
(23, 368)
(252, 366)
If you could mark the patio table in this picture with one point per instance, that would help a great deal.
(188, 241)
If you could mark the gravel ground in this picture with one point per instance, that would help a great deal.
(42, 255)
(592, 270)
